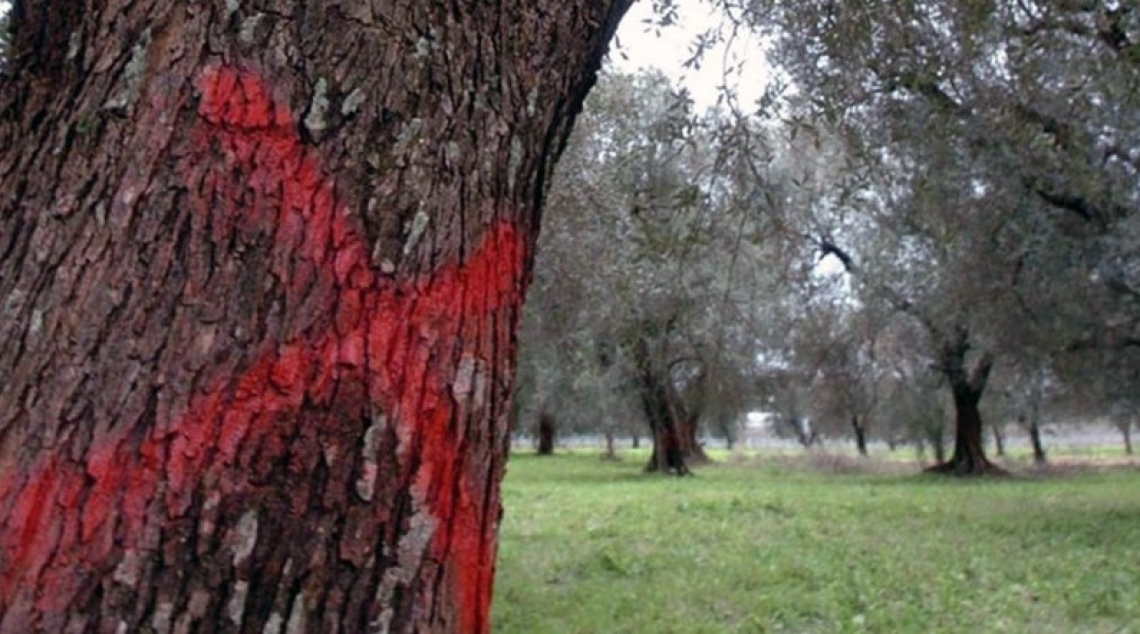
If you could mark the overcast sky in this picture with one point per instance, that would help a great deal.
(669, 51)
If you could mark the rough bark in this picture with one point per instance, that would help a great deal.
(546, 428)
(261, 268)
(966, 385)
(860, 435)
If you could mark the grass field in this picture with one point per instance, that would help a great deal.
(765, 546)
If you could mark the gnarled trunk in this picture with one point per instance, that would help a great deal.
(966, 386)
(262, 266)
(667, 456)
(691, 447)
(669, 440)
(969, 457)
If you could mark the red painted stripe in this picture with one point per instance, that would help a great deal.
(400, 340)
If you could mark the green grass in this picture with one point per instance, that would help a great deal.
(593, 546)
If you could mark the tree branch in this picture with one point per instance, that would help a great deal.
(1063, 132)
(981, 371)
(827, 246)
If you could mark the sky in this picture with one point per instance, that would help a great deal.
(639, 47)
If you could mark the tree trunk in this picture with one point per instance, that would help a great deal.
(668, 454)
(1036, 404)
(860, 436)
(969, 457)
(546, 430)
(1126, 431)
(691, 446)
(261, 272)
(999, 441)
(1035, 439)
(686, 409)
(801, 429)
(937, 438)
(610, 453)
(966, 386)
(636, 440)
(938, 443)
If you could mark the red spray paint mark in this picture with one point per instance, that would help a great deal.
(400, 340)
